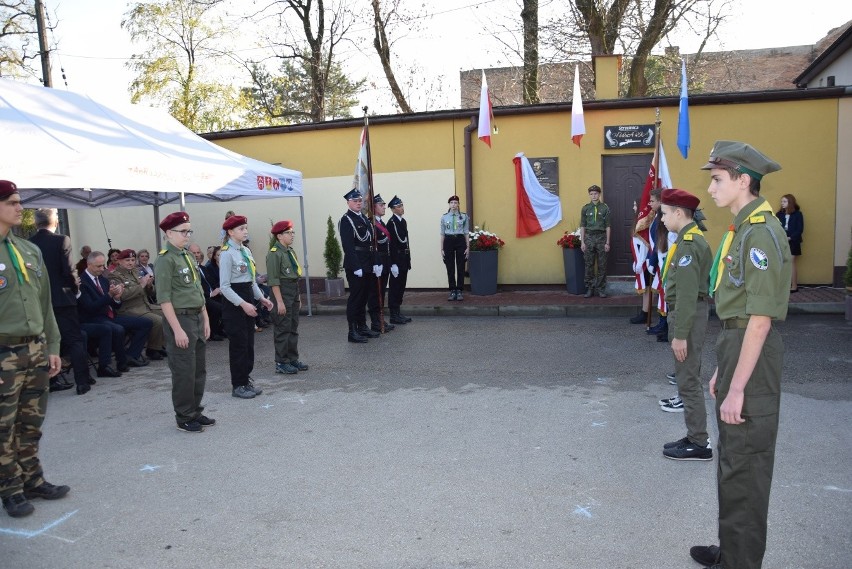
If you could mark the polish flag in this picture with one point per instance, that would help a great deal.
(578, 124)
(645, 216)
(538, 209)
(486, 113)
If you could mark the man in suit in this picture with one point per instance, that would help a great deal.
(400, 258)
(212, 297)
(98, 305)
(64, 287)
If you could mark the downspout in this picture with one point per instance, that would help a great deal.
(468, 167)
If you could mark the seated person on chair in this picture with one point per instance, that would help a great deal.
(134, 300)
(98, 305)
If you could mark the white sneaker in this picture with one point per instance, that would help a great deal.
(673, 406)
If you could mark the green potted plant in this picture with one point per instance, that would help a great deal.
(333, 256)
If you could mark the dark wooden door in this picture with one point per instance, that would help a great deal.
(623, 178)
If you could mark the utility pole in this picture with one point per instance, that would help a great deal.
(42, 44)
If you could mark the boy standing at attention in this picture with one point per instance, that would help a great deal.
(594, 235)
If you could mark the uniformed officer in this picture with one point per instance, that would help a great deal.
(376, 292)
(455, 246)
(685, 277)
(29, 352)
(134, 300)
(594, 235)
(283, 269)
(356, 238)
(751, 280)
(182, 303)
(400, 258)
(237, 281)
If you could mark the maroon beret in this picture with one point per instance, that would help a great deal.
(173, 220)
(234, 221)
(281, 227)
(679, 198)
(453, 198)
(7, 188)
(126, 254)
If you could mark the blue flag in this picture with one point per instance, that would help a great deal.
(683, 115)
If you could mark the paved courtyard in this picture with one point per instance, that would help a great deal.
(452, 442)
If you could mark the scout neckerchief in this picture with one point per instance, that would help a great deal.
(294, 261)
(249, 261)
(671, 255)
(17, 262)
(189, 264)
(722, 251)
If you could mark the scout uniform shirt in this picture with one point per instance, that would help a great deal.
(282, 266)
(595, 217)
(25, 303)
(454, 223)
(756, 269)
(178, 281)
(686, 277)
(236, 265)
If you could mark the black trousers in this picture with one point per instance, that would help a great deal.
(357, 301)
(214, 313)
(396, 288)
(239, 327)
(72, 343)
(454, 246)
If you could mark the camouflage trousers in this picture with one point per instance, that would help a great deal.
(595, 253)
(23, 402)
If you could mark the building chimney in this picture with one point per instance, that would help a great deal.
(607, 68)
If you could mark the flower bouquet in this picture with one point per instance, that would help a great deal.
(481, 240)
(570, 240)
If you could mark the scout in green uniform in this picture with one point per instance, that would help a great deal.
(685, 277)
(284, 271)
(182, 302)
(29, 353)
(751, 281)
(594, 236)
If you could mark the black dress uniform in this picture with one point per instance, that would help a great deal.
(356, 238)
(400, 256)
(376, 291)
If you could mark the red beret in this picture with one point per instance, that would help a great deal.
(173, 220)
(679, 198)
(7, 188)
(281, 227)
(234, 221)
(126, 254)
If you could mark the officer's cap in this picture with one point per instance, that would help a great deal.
(234, 221)
(395, 202)
(679, 198)
(7, 188)
(126, 254)
(353, 194)
(378, 199)
(173, 220)
(595, 188)
(741, 157)
(281, 227)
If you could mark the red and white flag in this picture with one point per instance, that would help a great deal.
(486, 113)
(538, 209)
(578, 123)
(645, 216)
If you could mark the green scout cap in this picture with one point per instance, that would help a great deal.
(741, 157)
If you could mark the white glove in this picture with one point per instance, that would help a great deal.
(377, 270)
(359, 273)
(394, 271)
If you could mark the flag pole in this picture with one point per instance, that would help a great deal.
(656, 159)
(372, 218)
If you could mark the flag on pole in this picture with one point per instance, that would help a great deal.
(361, 182)
(538, 210)
(578, 124)
(683, 115)
(645, 216)
(486, 113)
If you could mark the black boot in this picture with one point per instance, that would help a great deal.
(640, 318)
(364, 331)
(396, 317)
(355, 336)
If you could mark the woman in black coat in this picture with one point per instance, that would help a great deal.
(794, 224)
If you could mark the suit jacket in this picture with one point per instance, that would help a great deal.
(93, 304)
(56, 252)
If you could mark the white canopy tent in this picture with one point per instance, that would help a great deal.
(66, 150)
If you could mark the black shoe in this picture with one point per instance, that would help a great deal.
(60, 383)
(17, 505)
(404, 317)
(689, 451)
(661, 326)
(92, 380)
(154, 355)
(677, 443)
(108, 372)
(452, 295)
(83, 389)
(364, 331)
(205, 421)
(459, 295)
(123, 368)
(136, 362)
(286, 368)
(396, 318)
(190, 427)
(640, 318)
(355, 335)
(46, 491)
(663, 336)
(706, 554)
(299, 365)
(378, 328)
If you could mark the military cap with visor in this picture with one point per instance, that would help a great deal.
(741, 157)
(395, 202)
(353, 194)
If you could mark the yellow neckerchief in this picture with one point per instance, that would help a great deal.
(721, 253)
(17, 261)
(294, 261)
(671, 254)
(189, 264)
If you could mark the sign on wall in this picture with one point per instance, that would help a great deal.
(629, 136)
(547, 173)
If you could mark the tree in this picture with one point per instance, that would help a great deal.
(381, 22)
(333, 254)
(18, 38)
(529, 17)
(181, 39)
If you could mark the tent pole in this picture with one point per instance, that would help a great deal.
(305, 253)
(157, 227)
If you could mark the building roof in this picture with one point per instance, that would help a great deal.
(842, 42)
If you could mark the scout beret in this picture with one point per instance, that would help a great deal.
(453, 199)
(173, 220)
(594, 188)
(126, 254)
(353, 194)
(281, 227)
(679, 198)
(234, 221)
(395, 202)
(741, 157)
(378, 199)
(7, 188)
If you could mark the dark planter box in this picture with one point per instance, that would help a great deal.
(575, 270)
(482, 266)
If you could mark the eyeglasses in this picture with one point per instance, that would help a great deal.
(184, 232)
(289, 232)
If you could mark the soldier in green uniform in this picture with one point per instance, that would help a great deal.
(29, 352)
(685, 278)
(182, 302)
(594, 236)
(284, 271)
(750, 278)
(134, 300)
